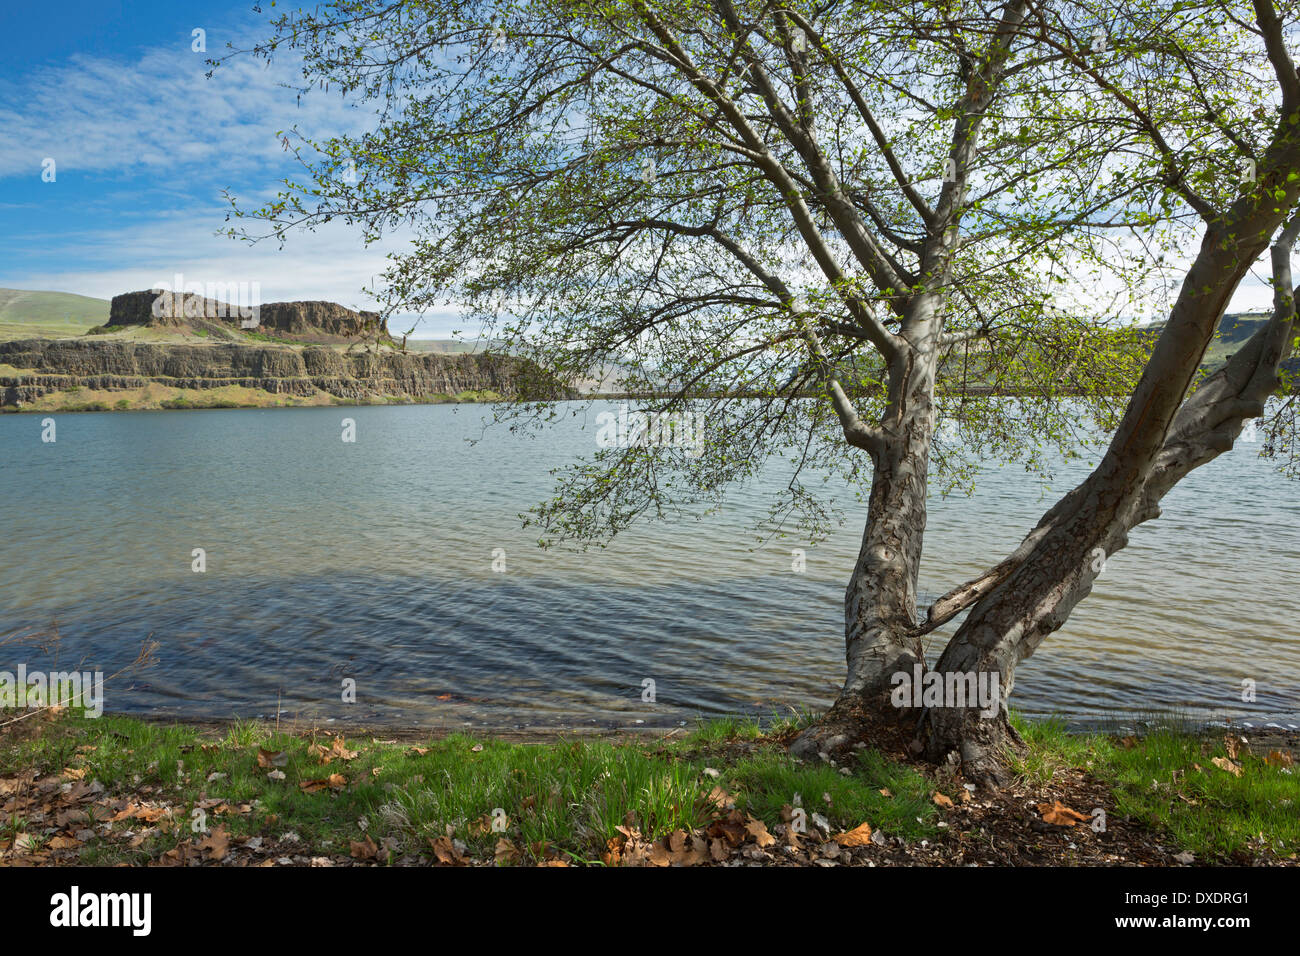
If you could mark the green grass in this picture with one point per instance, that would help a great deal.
(766, 782)
(48, 314)
(181, 402)
(567, 796)
(267, 337)
(1167, 779)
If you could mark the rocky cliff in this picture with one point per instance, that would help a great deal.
(322, 321)
(42, 367)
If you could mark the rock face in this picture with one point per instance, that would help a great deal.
(55, 365)
(329, 317)
(324, 320)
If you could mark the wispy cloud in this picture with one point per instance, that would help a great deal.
(158, 114)
(330, 263)
(146, 144)
(144, 147)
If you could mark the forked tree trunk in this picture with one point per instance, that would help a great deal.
(1162, 437)
(1158, 443)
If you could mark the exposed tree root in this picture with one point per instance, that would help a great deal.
(978, 749)
(855, 721)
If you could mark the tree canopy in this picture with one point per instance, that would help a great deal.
(873, 237)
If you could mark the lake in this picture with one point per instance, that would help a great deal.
(373, 561)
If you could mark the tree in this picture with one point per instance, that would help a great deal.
(1198, 137)
(826, 227)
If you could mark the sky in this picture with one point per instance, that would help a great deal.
(143, 147)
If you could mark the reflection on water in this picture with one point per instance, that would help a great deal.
(373, 562)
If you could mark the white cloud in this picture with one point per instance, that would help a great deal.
(161, 140)
(158, 114)
(330, 263)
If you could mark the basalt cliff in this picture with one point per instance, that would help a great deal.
(45, 366)
(291, 321)
(220, 364)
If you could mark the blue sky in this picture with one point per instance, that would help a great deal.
(143, 146)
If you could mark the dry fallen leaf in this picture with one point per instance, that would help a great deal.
(943, 801)
(335, 781)
(506, 852)
(216, 844)
(341, 751)
(719, 799)
(446, 852)
(758, 830)
(271, 758)
(1060, 815)
(366, 849)
(1223, 763)
(858, 836)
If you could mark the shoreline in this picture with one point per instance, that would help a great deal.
(1137, 724)
(90, 408)
(124, 791)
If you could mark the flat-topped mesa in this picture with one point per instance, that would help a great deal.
(159, 308)
(329, 317)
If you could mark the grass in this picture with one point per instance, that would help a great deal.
(25, 313)
(1169, 781)
(76, 398)
(209, 402)
(267, 337)
(892, 797)
(567, 797)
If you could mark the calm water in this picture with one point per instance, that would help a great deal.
(373, 561)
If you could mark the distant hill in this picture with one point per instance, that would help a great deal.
(24, 314)
(1234, 329)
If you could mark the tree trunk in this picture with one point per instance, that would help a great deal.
(880, 601)
(1036, 598)
(1162, 437)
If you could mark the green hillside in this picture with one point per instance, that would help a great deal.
(1234, 329)
(25, 314)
